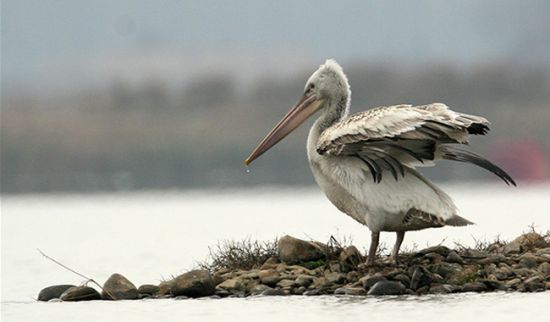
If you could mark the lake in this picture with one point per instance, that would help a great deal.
(149, 236)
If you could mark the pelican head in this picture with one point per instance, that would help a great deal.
(326, 89)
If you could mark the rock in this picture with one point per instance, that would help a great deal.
(544, 268)
(313, 292)
(522, 272)
(119, 287)
(369, 281)
(403, 278)
(534, 284)
(442, 289)
(258, 289)
(293, 250)
(474, 287)
(148, 289)
(503, 273)
(299, 291)
(420, 277)
(350, 291)
(232, 284)
(55, 301)
(196, 283)
(440, 249)
(53, 292)
(526, 242)
(434, 257)
(304, 280)
(453, 257)
(350, 258)
(543, 251)
(445, 269)
(221, 292)
(528, 260)
(274, 292)
(492, 284)
(335, 277)
(513, 284)
(320, 283)
(286, 283)
(387, 288)
(165, 286)
(269, 277)
(492, 259)
(80, 293)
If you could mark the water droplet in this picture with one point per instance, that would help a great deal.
(247, 170)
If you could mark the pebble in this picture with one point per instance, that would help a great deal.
(80, 293)
(528, 260)
(53, 292)
(474, 287)
(119, 287)
(196, 283)
(356, 291)
(453, 257)
(148, 289)
(369, 281)
(293, 250)
(387, 288)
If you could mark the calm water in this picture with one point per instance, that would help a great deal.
(149, 236)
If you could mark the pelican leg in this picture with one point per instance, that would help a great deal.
(395, 250)
(375, 237)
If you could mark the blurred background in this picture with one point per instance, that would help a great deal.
(145, 95)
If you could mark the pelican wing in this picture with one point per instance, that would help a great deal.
(391, 137)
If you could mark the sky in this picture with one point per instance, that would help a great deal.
(53, 45)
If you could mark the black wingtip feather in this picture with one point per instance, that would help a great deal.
(478, 129)
(455, 154)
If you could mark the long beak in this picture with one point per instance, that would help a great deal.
(307, 106)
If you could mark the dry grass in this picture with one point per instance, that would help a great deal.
(233, 255)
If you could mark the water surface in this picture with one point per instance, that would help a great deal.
(149, 236)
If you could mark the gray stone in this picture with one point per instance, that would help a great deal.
(544, 268)
(232, 284)
(335, 277)
(222, 292)
(528, 260)
(543, 251)
(119, 287)
(356, 291)
(441, 250)
(387, 288)
(53, 292)
(269, 277)
(513, 283)
(474, 287)
(274, 292)
(445, 269)
(293, 250)
(492, 259)
(534, 284)
(148, 289)
(523, 271)
(403, 278)
(165, 286)
(420, 277)
(442, 289)
(304, 280)
(196, 283)
(368, 281)
(258, 289)
(313, 292)
(80, 293)
(286, 283)
(453, 257)
(503, 273)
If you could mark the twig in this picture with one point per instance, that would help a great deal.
(77, 273)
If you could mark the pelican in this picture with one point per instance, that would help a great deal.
(365, 163)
